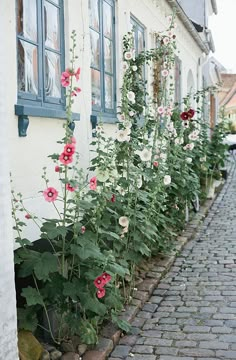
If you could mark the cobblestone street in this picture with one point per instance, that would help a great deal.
(192, 313)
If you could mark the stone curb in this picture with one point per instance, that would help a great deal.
(110, 334)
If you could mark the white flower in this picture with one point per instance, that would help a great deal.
(127, 124)
(99, 129)
(122, 136)
(134, 68)
(102, 175)
(186, 124)
(121, 117)
(189, 146)
(124, 221)
(166, 40)
(125, 66)
(203, 159)
(189, 160)
(131, 113)
(170, 126)
(165, 73)
(167, 180)
(194, 135)
(128, 55)
(139, 182)
(160, 110)
(131, 96)
(120, 190)
(145, 154)
(168, 111)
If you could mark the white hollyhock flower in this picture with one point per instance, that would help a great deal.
(128, 55)
(194, 135)
(139, 182)
(145, 154)
(127, 124)
(102, 175)
(165, 73)
(186, 124)
(131, 113)
(120, 190)
(166, 40)
(167, 180)
(134, 68)
(121, 117)
(125, 66)
(203, 159)
(160, 110)
(124, 221)
(170, 126)
(189, 146)
(122, 136)
(189, 160)
(131, 96)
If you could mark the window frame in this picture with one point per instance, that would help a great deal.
(138, 26)
(108, 114)
(40, 104)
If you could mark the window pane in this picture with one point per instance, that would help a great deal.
(27, 67)
(52, 74)
(107, 20)
(108, 55)
(108, 92)
(94, 14)
(95, 49)
(51, 22)
(27, 19)
(140, 41)
(96, 90)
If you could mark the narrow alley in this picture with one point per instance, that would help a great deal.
(192, 313)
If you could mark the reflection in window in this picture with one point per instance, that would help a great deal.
(40, 60)
(101, 15)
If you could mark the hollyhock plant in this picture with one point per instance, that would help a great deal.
(165, 73)
(83, 229)
(65, 79)
(99, 282)
(101, 293)
(191, 113)
(160, 110)
(122, 136)
(70, 188)
(113, 198)
(155, 163)
(167, 180)
(50, 194)
(28, 216)
(77, 74)
(65, 159)
(93, 183)
(57, 168)
(184, 115)
(131, 96)
(106, 277)
(128, 55)
(124, 221)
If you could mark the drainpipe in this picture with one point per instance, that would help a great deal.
(8, 326)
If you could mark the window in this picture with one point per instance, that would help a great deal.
(102, 40)
(139, 35)
(40, 47)
(178, 81)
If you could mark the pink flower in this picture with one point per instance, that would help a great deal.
(70, 188)
(69, 149)
(73, 140)
(99, 282)
(57, 168)
(106, 277)
(70, 71)
(155, 163)
(73, 93)
(50, 194)
(113, 198)
(165, 73)
(65, 158)
(166, 40)
(76, 91)
(83, 229)
(93, 183)
(184, 115)
(28, 216)
(65, 79)
(77, 74)
(101, 293)
(160, 110)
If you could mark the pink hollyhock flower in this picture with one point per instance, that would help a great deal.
(191, 113)
(73, 140)
(28, 216)
(155, 163)
(166, 40)
(113, 198)
(65, 158)
(57, 168)
(93, 183)
(160, 110)
(99, 282)
(70, 71)
(50, 194)
(184, 115)
(101, 293)
(76, 91)
(83, 229)
(73, 93)
(77, 74)
(165, 73)
(106, 277)
(65, 79)
(70, 188)
(69, 149)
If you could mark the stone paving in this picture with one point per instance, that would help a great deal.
(192, 313)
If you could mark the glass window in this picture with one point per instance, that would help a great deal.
(139, 35)
(40, 52)
(178, 81)
(102, 42)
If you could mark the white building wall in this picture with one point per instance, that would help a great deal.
(8, 333)
(28, 155)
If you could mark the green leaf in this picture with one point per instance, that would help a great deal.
(27, 319)
(109, 233)
(32, 296)
(92, 303)
(117, 269)
(87, 333)
(90, 250)
(46, 264)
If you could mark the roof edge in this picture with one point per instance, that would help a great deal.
(188, 24)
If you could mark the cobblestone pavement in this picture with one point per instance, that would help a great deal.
(192, 313)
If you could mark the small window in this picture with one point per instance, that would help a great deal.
(139, 35)
(40, 50)
(102, 42)
(178, 81)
